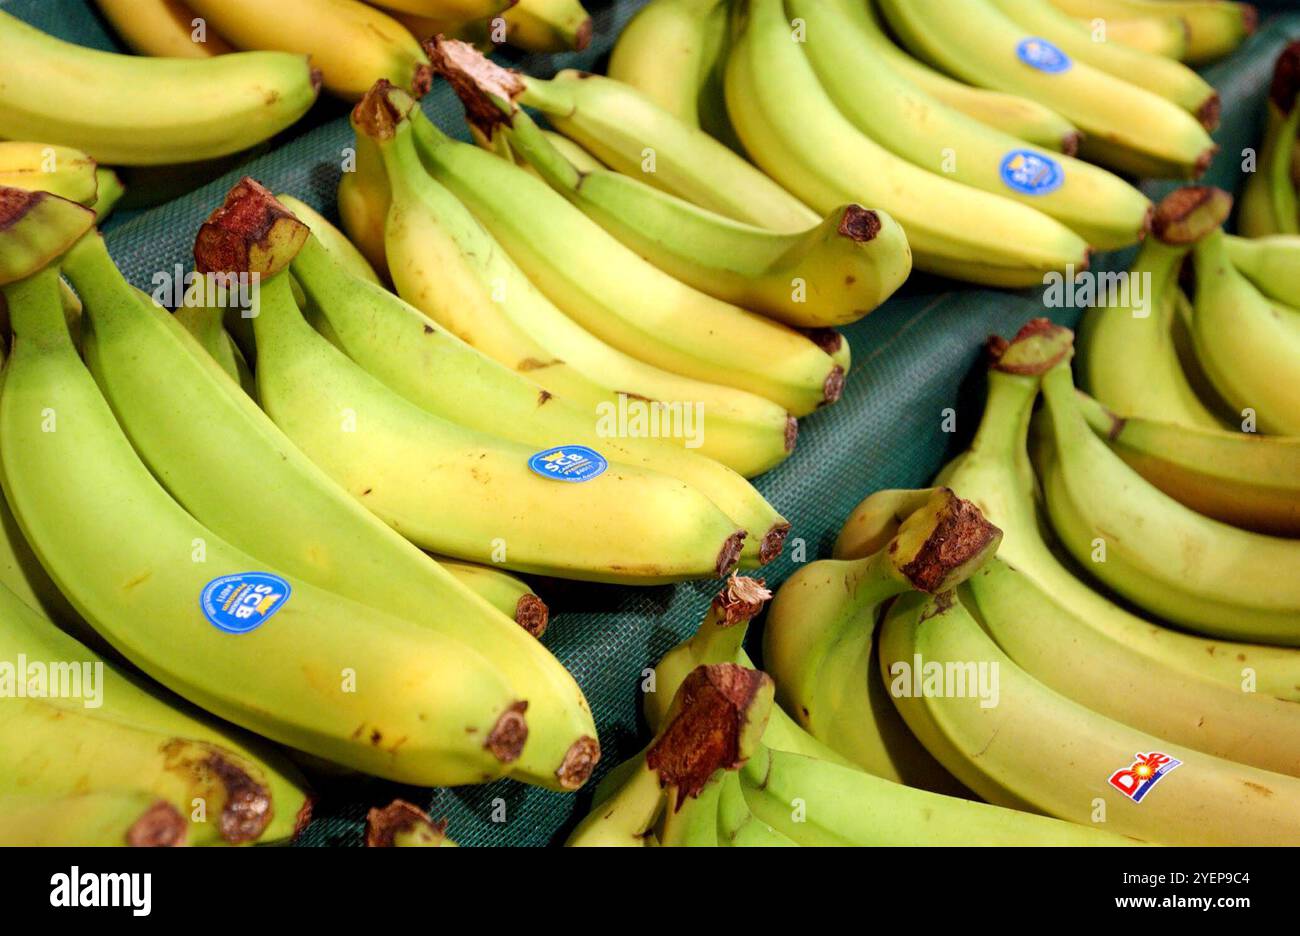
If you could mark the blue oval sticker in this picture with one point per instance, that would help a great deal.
(572, 463)
(244, 601)
(1043, 55)
(1031, 173)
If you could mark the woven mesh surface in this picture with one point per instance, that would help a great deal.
(912, 359)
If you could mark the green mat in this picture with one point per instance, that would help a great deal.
(912, 359)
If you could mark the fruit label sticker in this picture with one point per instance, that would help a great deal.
(243, 602)
(1146, 771)
(1031, 173)
(1041, 54)
(574, 463)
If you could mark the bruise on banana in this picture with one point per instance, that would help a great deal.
(159, 826)
(216, 776)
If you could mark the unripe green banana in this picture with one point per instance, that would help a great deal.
(206, 324)
(331, 238)
(426, 709)
(1271, 263)
(509, 595)
(108, 192)
(134, 819)
(35, 228)
(1027, 747)
(108, 104)
(1269, 201)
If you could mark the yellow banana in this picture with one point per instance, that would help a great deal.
(1269, 201)
(548, 25)
(59, 170)
(134, 819)
(1214, 27)
(165, 28)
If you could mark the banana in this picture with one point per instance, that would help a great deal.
(819, 641)
(1272, 264)
(548, 25)
(35, 228)
(1214, 27)
(631, 134)
(1127, 127)
(995, 473)
(108, 192)
(1047, 642)
(108, 104)
(1130, 359)
(737, 825)
(438, 372)
(1028, 747)
(1153, 35)
(509, 595)
(117, 818)
(1172, 80)
(1269, 200)
(448, 266)
(428, 710)
(363, 200)
(205, 324)
(1248, 346)
(719, 639)
(820, 156)
(1016, 116)
(333, 240)
(25, 580)
(832, 274)
(352, 44)
(459, 10)
(59, 170)
(1248, 480)
(404, 825)
(1167, 559)
(603, 285)
(165, 28)
(842, 36)
(820, 804)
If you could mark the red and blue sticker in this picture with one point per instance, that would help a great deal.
(1139, 778)
(1045, 56)
(572, 463)
(244, 601)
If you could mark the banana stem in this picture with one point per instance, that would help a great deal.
(36, 309)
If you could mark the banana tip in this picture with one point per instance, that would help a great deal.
(579, 761)
(532, 614)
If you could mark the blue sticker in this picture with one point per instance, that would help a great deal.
(1031, 173)
(243, 602)
(1041, 54)
(569, 463)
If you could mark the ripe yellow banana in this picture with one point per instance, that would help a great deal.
(165, 28)
(842, 37)
(1028, 747)
(1272, 264)
(39, 167)
(603, 285)
(448, 266)
(829, 275)
(117, 818)
(108, 104)
(995, 473)
(1269, 201)
(819, 640)
(352, 44)
(1127, 127)
(1171, 80)
(1164, 557)
(305, 667)
(1248, 346)
(816, 152)
(631, 134)
(1130, 350)
(548, 25)
(438, 372)
(1153, 35)
(36, 227)
(1214, 27)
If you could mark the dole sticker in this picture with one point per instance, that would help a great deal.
(244, 601)
(574, 463)
(1038, 53)
(1031, 173)
(1145, 772)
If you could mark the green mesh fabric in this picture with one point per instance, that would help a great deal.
(912, 359)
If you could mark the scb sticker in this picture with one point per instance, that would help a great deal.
(1043, 55)
(569, 463)
(243, 602)
(1031, 173)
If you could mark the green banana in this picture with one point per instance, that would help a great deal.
(448, 266)
(206, 324)
(331, 238)
(1034, 749)
(1248, 347)
(118, 818)
(403, 825)
(823, 158)
(737, 825)
(1130, 361)
(35, 228)
(831, 274)
(1127, 127)
(509, 595)
(1248, 480)
(1214, 27)
(631, 134)
(290, 679)
(1271, 263)
(842, 42)
(108, 104)
(109, 190)
(438, 372)
(819, 639)
(1269, 203)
